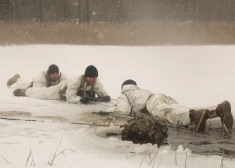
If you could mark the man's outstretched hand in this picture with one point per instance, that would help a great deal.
(84, 100)
(101, 99)
(106, 98)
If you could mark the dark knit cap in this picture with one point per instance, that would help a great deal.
(129, 82)
(53, 69)
(91, 72)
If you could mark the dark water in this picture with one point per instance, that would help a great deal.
(210, 142)
(213, 141)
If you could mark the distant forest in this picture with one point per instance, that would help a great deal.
(108, 11)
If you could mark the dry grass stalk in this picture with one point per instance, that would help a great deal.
(49, 159)
(222, 160)
(186, 153)
(5, 159)
(32, 160)
(186, 158)
(159, 162)
(62, 152)
(155, 155)
(154, 161)
(176, 158)
(50, 162)
(143, 158)
(149, 156)
(221, 165)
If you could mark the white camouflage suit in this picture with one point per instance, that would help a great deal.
(74, 86)
(52, 93)
(159, 105)
(40, 89)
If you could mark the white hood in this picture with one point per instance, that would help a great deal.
(126, 88)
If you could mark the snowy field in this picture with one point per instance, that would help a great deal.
(194, 76)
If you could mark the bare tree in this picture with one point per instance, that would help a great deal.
(40, 11)
(87, 12)
(231, 9)
(194, 10)
(63, 9)
(79, 11)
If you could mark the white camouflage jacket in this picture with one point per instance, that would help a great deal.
(158, 105)
(41, 80)
(137, 97)
(73, 87)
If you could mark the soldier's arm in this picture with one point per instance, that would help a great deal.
(121, 107)
(63, 77)
(99, 89)
(40, 81)
(71, 93)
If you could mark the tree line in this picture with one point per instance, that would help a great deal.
(108, 11)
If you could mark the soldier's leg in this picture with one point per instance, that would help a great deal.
(174, 113)
(222, 110)
(19, 92)
(50, 93)
(177, 114)
(22, 84)
(199, 118)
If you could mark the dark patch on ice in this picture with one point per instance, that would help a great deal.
(210, 142)
(27, 116)
(54, 118)
(15, 113)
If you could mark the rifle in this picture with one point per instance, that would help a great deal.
(103, 113)
(98, 100)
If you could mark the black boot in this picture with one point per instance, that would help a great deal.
(199, 118)
(13, 79)
(19, 92)
(223, 110)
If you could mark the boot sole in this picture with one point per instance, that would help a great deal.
(228, 118)
(13, 80)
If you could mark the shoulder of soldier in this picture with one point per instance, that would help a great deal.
(97, 81)
(63, 75)
(41, 75)
(75, 80)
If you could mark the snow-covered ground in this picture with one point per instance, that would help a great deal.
(194, 76)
